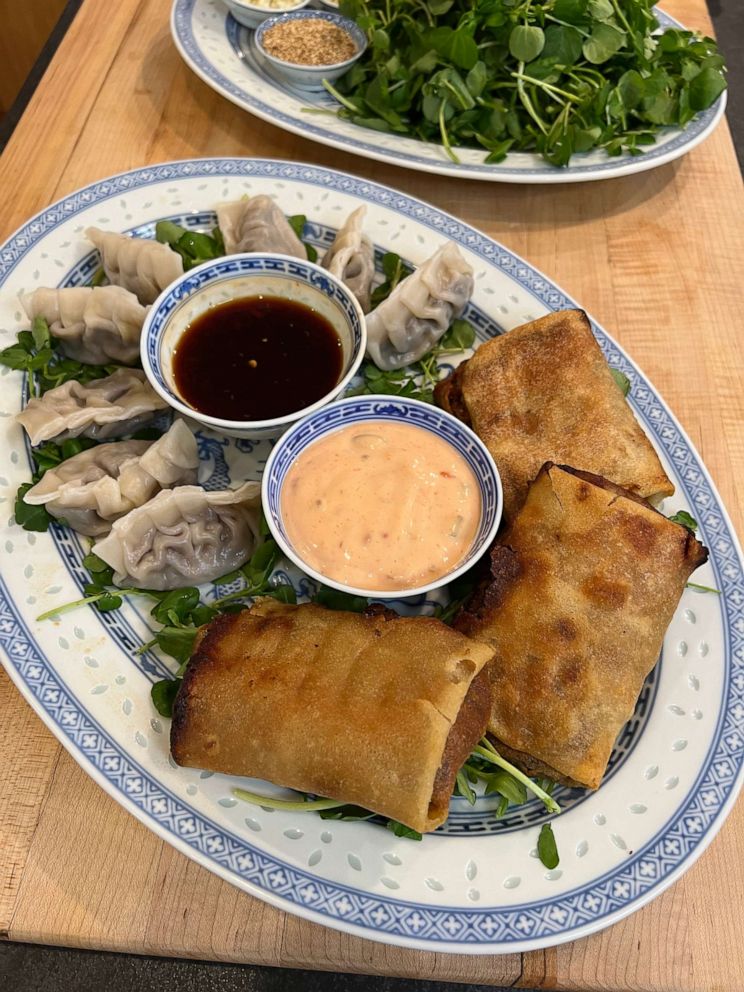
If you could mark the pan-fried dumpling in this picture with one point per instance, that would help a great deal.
(257, 224)
(420, 309)
(184, 536)
(92, 489)
(351, 258)
(111, 407)
(94, 326)
(141, 265)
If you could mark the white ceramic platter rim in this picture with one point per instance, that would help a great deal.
(460, 928)
(217, 53)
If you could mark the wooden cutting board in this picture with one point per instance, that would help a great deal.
(657, 258)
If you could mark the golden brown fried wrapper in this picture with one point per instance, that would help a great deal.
(584, 585)
(375, 709)
(544, 392)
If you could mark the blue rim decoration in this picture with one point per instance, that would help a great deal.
(483, 929)
(363, 409)
(365, 145)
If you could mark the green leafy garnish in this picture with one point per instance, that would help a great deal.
(163, 695)
(30, 517)
(334, 599)
(683, 517)
(98, 278)
(194, 247)
(395, 270)
(401, 830)
(622, 381)
(297, 223)
(555, 78)
(547, 850)
(46, 456)
(36, 353)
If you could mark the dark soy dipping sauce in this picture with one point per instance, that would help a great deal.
(257, 358)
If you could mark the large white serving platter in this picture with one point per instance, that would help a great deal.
(475, 886)
(222, 53)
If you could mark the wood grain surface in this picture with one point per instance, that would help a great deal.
(657, 258)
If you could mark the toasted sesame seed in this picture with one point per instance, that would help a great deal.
(309, 41)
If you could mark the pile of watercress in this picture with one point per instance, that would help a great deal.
(554, 77)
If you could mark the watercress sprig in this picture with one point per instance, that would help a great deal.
(36, 352)
(194, 247)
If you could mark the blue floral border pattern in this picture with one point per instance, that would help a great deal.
(599, 902)
(182, 25)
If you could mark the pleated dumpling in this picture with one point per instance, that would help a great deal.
(92, 489)
(184, 536)
(111, 407)
(141, 265)
(420, 309)
(256, 223)
(94, 326)
(351, 258)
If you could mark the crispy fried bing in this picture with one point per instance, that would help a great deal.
(375, 709)
(584, 585)
(544, 392)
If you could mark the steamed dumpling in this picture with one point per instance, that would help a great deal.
(351, 258)
(184, 536)
(141, 265)
(420, 309)
(94, 326)
(257, 224)
(97, 486)
(118, 404)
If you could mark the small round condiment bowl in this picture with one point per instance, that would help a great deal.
(309, 77)
(251, 15)
(365, 409)
(236, 277)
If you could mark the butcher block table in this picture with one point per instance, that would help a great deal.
(656, 258)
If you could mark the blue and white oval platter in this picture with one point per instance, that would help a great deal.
(475, 886)
(223, 53)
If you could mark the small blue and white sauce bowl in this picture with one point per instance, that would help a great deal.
(285, 466)
(235, 277)
(305, 76)
(252, 15)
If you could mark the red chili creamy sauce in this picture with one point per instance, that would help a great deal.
(381, 506)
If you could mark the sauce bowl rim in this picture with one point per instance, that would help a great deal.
(479, 546)
(174, 401)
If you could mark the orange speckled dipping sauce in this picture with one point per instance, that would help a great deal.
(381, 506)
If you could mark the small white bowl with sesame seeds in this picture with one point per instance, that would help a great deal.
(306, 47)
(251, 15)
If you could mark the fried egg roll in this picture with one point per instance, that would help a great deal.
(544, 392)
(583, 586)
(376, 709)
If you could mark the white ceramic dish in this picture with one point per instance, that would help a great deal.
(475, 885)
(248, 274)
(251, 15)
(224, 55)
(370, 409)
